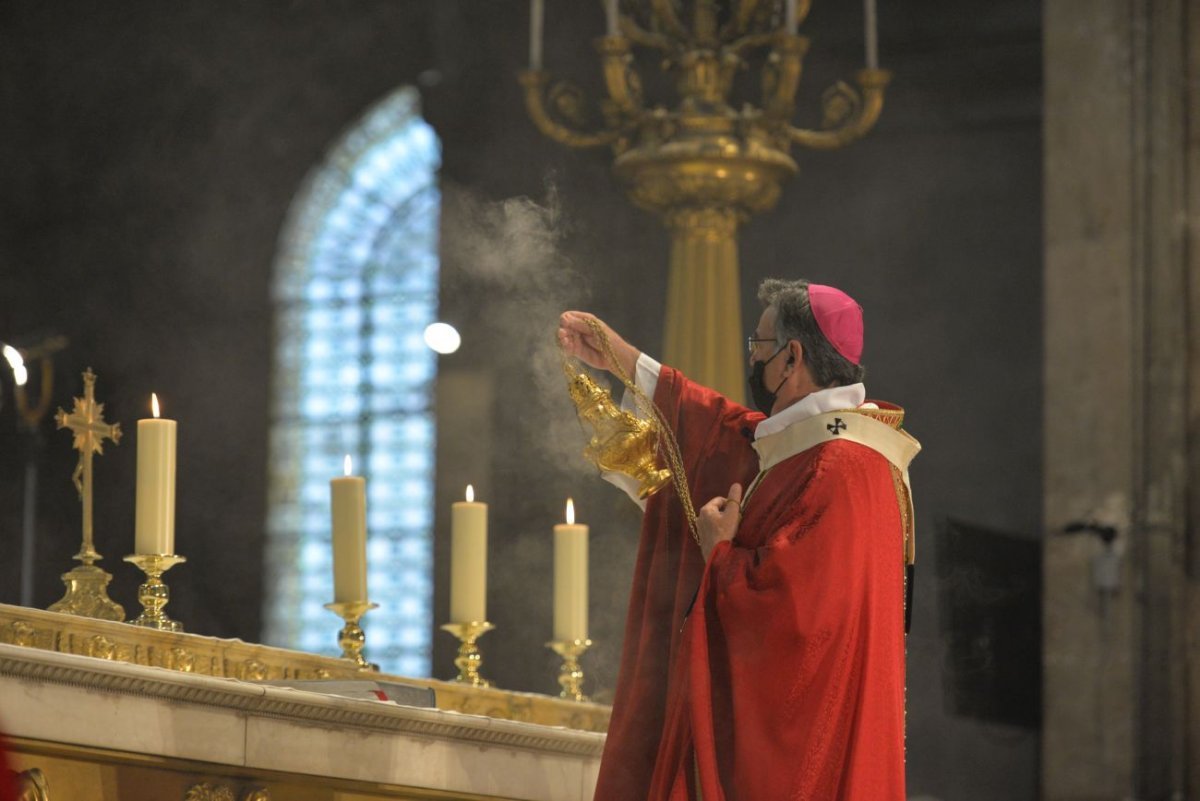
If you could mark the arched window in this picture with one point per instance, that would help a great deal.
(356, 283)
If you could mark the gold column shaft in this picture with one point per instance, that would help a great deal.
(703, 334)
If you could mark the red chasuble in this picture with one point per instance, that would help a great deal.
(786, 680)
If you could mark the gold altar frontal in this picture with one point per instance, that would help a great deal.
(68, 674)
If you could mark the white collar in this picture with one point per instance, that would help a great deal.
(833, 399)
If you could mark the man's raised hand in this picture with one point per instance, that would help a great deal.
(578, 339)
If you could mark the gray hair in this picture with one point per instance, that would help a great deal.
(794, 320)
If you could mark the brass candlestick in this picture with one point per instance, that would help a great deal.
(469, 659)
(153, 594)
(570, 676)
(86, 594)
(351, 638)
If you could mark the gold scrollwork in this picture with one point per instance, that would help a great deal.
(181, 659)
(209, 792)
(222, 792)
(252, 670)
(100, 647)
(32, 786)
(21, 633)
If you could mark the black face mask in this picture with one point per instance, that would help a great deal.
(764, 399)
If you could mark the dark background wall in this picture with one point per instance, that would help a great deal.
(150, 151)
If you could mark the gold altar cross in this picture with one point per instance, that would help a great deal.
(86, 421)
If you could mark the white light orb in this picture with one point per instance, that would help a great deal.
(442, 337)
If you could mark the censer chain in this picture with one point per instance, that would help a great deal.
(666, 437)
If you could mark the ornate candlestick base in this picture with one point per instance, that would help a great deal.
(87, 595)
(351, 638)
(469, 659)
(153, 594)
(570, 677)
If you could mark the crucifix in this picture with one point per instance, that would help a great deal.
(86, 594)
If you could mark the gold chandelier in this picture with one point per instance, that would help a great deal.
(703, 164)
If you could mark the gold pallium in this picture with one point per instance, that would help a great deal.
(623, 442)
(86, 585)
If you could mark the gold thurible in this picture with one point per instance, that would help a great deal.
(352, 638)
(570, 675)
(621, 442)
(154, 594)
(469, 659)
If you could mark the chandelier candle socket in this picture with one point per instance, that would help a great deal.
(468, 560)
(154, 531)
(537, 16)
(348, 502)
(570, 579)
(871, 34)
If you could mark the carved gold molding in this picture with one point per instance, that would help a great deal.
(222, 792)
(234, 659)
(32, 786)
(256, 784)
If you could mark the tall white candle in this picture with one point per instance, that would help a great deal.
(537, 13)
(610, 17)
(348, 503)
(570, 579)
(870, 23)
(468, 560)
(154, 528)
(789, 16)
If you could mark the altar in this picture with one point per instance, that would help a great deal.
(99, 711)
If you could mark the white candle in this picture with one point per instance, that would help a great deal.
(872, 34)
(537, 13)
(570, 579)
(348, 503)
(468, 560)
(610, 16)
(789, 16)
(154, 528)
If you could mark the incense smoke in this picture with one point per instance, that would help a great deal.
(510, 253)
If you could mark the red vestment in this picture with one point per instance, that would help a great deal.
(786, 680)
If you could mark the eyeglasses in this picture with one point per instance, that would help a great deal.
(752, 340)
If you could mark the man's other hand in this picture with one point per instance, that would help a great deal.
(577, 338)
(718, 520)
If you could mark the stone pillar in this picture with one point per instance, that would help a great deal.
(1120, 380)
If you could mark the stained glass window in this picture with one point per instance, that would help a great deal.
(356, 284)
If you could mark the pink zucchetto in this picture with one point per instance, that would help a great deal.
(840, 319)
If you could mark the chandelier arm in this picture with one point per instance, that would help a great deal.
(622, 81)
(668, 19)
(740, 20)
(872, 83)
(753, 41)
(802, 9)
(639, 35)
(781, 79)
(535, 82)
